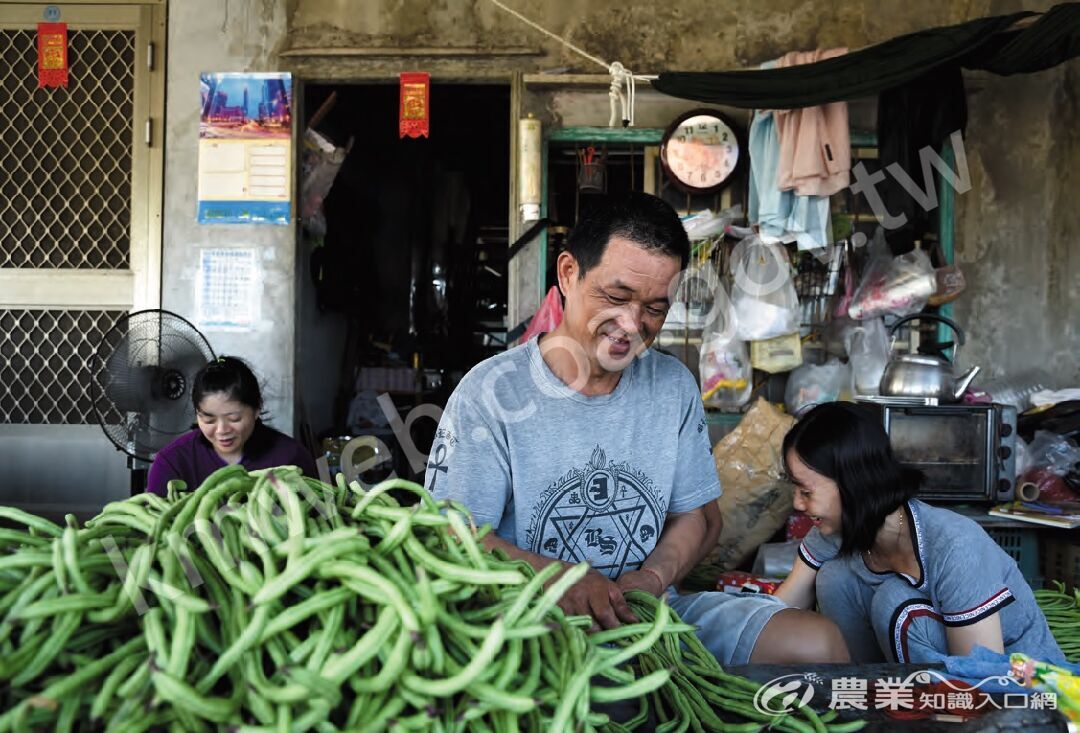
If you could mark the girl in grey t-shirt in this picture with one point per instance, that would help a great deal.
(904, 581)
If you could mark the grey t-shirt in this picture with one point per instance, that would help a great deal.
(573, 477)
(965, 575)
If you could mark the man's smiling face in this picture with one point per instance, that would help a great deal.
(616, 310)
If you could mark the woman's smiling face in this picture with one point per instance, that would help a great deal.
(227, 424)
(815, 495)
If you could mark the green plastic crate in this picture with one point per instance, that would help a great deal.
(1021, 545)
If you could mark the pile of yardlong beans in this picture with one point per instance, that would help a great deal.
(1062, 611)
(268, 601)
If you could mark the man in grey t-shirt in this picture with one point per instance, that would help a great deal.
(583, 445)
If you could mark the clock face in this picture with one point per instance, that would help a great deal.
(700, 151)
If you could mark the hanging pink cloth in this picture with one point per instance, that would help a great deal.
(548, 316)
(815, 143)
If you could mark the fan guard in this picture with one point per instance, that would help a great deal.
(142, 374)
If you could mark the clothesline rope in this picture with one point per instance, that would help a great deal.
(622, 93)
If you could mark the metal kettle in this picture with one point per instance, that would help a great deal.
(924, 375)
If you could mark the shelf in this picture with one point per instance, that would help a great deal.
(639, 135)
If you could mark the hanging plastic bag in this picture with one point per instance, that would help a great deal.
(548, 316)
(763, 295)
(725, 373)
(811, 385)
(867, 346)
(892, 285)
(724, 364)
(706, 224)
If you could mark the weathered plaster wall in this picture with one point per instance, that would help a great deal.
(1018, 229)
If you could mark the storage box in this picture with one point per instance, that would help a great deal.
(1021, 545)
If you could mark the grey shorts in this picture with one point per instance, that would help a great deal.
(729, 624)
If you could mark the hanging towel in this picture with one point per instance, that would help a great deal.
(815, 145)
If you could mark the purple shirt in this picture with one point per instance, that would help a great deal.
(192, 459)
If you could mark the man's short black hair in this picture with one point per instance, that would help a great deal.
(846, 442)
(645, 220)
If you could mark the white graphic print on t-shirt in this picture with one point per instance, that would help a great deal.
(606, 513)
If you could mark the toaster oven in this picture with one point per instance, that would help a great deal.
(967, 453)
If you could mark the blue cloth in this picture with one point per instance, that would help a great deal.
(781, 214)
(983, 663)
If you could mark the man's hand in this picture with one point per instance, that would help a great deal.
(645, 580)
(594, 595)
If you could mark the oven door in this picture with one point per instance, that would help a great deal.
(952, 445)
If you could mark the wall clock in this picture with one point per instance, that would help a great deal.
(701, 151)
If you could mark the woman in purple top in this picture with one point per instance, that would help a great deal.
(228, 431)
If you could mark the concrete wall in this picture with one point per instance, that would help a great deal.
(230, 35)
(1018, 228)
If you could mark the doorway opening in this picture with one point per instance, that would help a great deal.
(402, 287)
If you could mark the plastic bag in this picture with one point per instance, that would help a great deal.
(1054, 452)
(724, 365)
(867, 346)
(706, 224)
(892, 285)
(548, 316)
(726, 374)
(812, 384)
(1051, 470)
(756, 500)
(763, 295)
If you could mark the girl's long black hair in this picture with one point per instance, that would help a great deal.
(846, 443)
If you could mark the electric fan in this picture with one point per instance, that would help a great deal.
(141, 379)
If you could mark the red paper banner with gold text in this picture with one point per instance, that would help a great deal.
(414, 113)
(52, 55)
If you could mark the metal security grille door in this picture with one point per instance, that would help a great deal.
(80, 208)
(67, 200)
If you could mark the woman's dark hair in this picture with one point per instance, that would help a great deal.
(846, 443)
(229, 375)
(647, 221)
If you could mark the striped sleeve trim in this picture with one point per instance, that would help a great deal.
(902, 619)
(993, 604)
(808, 557)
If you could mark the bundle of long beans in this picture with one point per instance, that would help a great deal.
(268, 601)
(1062, 611)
